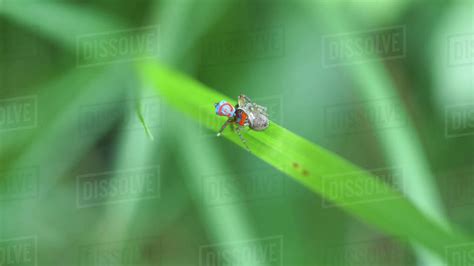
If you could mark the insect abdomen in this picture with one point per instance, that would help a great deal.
(259, 123)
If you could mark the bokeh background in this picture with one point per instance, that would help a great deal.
(82, 183)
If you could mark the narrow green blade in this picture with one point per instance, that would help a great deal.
(316, 168)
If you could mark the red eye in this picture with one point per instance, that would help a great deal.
(225, 109)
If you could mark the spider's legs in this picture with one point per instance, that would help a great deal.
(224, 126)
(241, 137)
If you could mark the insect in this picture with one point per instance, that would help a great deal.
(245, 113)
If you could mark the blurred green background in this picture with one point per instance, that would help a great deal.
(81, 182)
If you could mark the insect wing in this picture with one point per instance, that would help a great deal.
(259, 110)
(246, 104)
(244, 100)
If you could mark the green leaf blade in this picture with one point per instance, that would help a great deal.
(307, 163)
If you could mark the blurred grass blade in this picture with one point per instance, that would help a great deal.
(61, 22)
(402, 146)
(305, 162)
(139, 112)
(229, 223)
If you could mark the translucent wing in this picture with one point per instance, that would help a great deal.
(248, 106)
(244, 100)
(258, 109)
